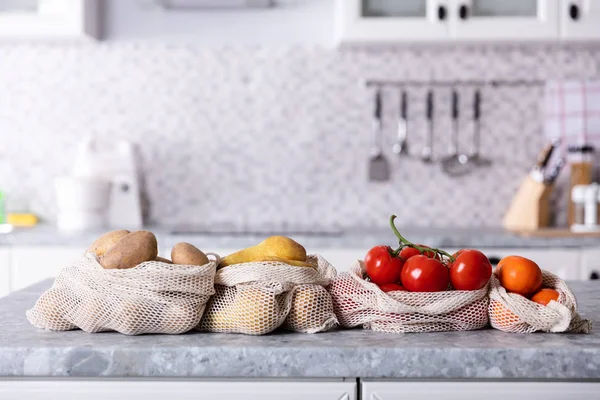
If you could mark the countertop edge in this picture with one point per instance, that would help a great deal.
(375, 363)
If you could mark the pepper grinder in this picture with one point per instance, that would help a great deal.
(585, 200)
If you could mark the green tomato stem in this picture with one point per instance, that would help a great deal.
(406, 243)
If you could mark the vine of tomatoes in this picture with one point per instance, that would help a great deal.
(419, 268)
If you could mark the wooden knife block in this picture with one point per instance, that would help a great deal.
(530, 208)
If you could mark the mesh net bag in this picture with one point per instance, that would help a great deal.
(510, 312)
(358, 302)
(257, 298)
(153, 297)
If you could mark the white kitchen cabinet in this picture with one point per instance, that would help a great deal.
(389, 390)
(565, 263)
(580, 19)
(49, 19)
(590, 264)
(341, 259)
(460, 20)
(4, 271)
(166, 252)
(180, 390)
(477, 20)
(31, 264)
(392, 21)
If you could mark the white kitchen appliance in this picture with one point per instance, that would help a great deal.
(204, 4)
(116, 163)
(586, 199)
(82, 203)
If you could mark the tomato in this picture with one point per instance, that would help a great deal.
(409, 252)
(382, 266)
(458, 253)
(424, 274)
(391, 287)
(471, 270)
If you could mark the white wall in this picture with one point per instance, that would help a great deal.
(292, 21)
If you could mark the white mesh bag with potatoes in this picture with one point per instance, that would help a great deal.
(120, 284)
(358, 302)
(512, 312)
(271, 285)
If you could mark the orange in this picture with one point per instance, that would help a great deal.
(519, 275)
(501, 316)
(544, 296)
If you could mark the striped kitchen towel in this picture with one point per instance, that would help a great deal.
(572, 112)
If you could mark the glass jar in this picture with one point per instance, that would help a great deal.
(581, 162)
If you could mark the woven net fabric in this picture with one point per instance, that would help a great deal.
(153, 297)
(256, 298)
(358, 302)
(510, 312)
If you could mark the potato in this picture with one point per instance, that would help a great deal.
(187, 254)
(106, 241)
(180, 318)
(255, 312)
(51, 308)
(137, 317)
(311, 306)
(93, 314)
(131, 250)
(163, 260)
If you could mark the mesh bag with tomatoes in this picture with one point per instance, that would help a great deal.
(258, 297)
(513, 312)
(370, 295)
(358, 302)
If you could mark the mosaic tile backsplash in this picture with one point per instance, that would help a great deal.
(255, 137)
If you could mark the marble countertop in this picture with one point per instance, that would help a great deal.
(26, 351)
(352, 238)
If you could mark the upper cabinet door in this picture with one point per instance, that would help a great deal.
(505, 20)
(392, 20)
(48, 19)
(580, 19)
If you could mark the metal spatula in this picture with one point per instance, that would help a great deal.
(379, 168)
(401, 146)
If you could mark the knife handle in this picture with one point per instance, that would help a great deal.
(378, 105)
(544, 156)
(404, 105)
(454, 104)
(430, 105)
(477, 105)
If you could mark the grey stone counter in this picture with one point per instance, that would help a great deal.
(351, 239)
(26, 351)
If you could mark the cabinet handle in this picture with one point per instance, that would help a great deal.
(594, 276)
(494, 260)
(463, 12)
(442, 13)
(574, 12)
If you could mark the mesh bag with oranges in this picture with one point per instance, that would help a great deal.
(152, 297)
(524, 308)
(256, 298)
(358, 302)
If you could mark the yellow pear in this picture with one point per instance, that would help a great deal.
(280, 247)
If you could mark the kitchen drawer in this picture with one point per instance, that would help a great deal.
(4, 271)
(566, 263)
(341, 259)
(590, 264)
(226, 389)
(390, 390)
(166, 252)
(31, 264)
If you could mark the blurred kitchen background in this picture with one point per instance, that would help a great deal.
(251, 119)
